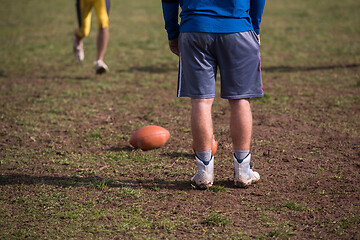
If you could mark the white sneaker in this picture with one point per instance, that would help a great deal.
(243, 174)
(78, 50)
(100, 67)
(204, 178)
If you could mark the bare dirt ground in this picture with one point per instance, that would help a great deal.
(67, 170)
(305, 147)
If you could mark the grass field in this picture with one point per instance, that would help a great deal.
(67, 170)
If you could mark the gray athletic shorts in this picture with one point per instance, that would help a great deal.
(236, 54)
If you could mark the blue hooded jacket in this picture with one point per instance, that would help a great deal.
(212, 16)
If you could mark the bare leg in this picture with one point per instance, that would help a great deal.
(241, 123)
(201, 124)
(241, 130)
(78, 40)
(102, 41)
(202, 131)
(78, 47)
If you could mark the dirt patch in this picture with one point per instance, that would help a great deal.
(304, 147)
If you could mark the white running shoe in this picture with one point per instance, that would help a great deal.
(243, 174)
(78, 50)
(204, 178)
(100, 67)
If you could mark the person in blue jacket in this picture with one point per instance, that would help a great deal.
(224, 35)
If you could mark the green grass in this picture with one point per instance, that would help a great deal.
(67, 170)
(216, 219)
(295, 206)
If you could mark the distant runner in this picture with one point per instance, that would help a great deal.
(83, 10)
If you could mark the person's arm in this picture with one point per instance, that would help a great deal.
(170, 14)
(256, 11)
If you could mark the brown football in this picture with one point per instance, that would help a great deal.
(149, 137)
(214, 146)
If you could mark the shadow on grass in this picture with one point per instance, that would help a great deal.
(94, 182)
(100, 183)
(150, 69)
(229, 183)
(121, 149)
(288, 69)
(175, 155)
(2, 74)
(178, 155)
(77, 78)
